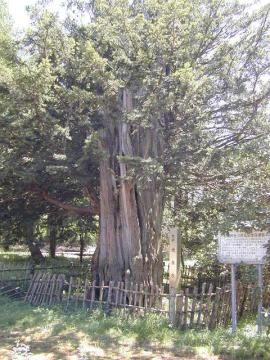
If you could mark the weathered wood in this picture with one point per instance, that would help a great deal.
(93, 290)
(117, 293)
(45, 290)
(146, 292)
(125, 290)
(77, 292)
(141, 296)
(151, 296)
(174, 256)
(200, 311)
(207, 306)
(35, 287)
(101, 290)
(85, 291)
(179, 307)
(109, 297)
(213, 312)
(130, 293)
(38, 289)
(53, 284)
(31, 285)
(193, 305)
(69, 291)
(172, 304)
(121, 293)
(41, 289)
(185, 325)
(136, 295)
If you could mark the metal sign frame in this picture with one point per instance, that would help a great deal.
(257, 257)
(239, 247)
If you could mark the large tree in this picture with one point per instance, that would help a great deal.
(163, 98)
(190, 89)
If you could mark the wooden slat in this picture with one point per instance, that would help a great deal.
(179, 309)
(77, 292)
(117, 293)
(136, 295)
(35, 287)
(29, 290)
(109, 297)
(93, 290)
(38, 289)
(41, 289)
(207, 306)
(85, 293)
(151, 295)
(200, 307)
(131, 295)
(186, 299)
(52, 287)
(146, 293)
(101, 291)
(214, 310)
(125, 290)
(121, 294)
(141, 296)
(193, 305)
(45, 290)
(69, 291)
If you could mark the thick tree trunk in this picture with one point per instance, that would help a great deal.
(130, 208)
(33, 247)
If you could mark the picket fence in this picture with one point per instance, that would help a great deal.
(186, 309)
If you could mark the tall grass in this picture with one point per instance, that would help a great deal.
(110, 333)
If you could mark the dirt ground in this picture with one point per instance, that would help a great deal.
(42, 346)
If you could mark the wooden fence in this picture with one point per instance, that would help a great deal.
(15, 274)
(187, 309)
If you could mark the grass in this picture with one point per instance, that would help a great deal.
(54, 334)
(20, 255)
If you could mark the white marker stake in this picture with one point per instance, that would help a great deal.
(174, 258)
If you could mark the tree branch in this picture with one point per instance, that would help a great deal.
(92, 209)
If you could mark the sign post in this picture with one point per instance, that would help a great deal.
(260, 285)
(240, 247)
(234, 294)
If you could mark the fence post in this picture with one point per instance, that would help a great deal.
(111, 284)
(172, 309)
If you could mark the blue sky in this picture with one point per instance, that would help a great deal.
(21, 19)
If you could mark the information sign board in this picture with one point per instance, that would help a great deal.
(240, 247)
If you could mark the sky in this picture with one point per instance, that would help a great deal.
(17, 10)
(21, 19)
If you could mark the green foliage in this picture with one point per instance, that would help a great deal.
(198, 76)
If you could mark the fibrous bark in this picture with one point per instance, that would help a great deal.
(130, 209)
